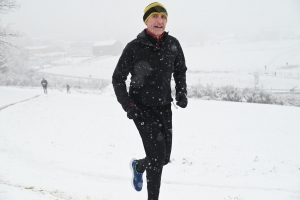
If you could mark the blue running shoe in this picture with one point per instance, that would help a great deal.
(137, 179)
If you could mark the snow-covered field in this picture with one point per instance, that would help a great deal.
(78, 146)
(217, 63)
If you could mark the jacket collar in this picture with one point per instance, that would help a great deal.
(148, 33)
(147, 39)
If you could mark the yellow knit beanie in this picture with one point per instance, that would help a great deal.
(154, 8)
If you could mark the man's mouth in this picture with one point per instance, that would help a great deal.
(158, 26)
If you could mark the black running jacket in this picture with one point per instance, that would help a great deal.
(151, 70)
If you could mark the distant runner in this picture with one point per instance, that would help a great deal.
(44, 84)
(68, 89)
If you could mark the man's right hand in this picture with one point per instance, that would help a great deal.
(133, 112)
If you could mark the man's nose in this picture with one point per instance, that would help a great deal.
(159, 20)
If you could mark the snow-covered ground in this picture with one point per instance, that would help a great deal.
(78, 146)
(217, 63)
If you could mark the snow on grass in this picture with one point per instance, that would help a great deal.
(217, 63)
(78, 146)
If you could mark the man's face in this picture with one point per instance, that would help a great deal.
(156, 24)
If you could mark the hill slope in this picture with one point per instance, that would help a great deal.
(78, 146)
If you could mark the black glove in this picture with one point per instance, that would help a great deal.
(181, 100)
(133, 111)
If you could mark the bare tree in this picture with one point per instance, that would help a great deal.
(7, 6)
(6, 33)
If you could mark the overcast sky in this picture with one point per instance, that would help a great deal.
(118, 19)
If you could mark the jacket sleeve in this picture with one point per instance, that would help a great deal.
(119, 77)
(180, 72)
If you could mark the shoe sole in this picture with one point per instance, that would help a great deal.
(132, 173)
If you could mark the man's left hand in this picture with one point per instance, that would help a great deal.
(182, 100)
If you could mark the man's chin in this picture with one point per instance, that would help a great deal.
(158, 32)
